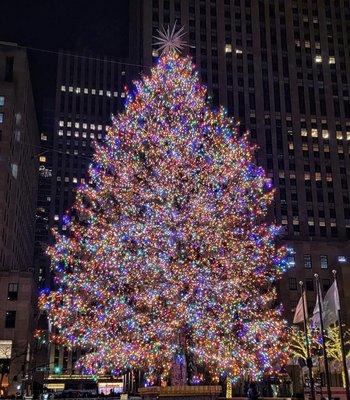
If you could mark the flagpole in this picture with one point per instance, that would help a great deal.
(309, 359)
(326, 365)
(341, 336)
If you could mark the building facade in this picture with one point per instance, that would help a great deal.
(89, 90)
(18, 190)
(282, 69)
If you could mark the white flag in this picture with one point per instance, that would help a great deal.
(299, 312)
(331, 305)
(316, 315)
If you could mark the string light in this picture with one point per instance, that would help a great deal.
(167, 251)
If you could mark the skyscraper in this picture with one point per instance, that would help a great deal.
(18, 186)
(282, 68)
(89, 90)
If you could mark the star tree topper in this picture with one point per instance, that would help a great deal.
(170, 39)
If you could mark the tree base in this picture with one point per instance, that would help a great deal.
(184, 392)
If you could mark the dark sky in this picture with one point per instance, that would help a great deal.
(72, 25)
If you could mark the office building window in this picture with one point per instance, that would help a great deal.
(324, 262)
(10, 319)
(2, 100)
(12, 292)
(326, 284)
(342, 259)
(309, 284)
(1, 118)
(292, 284)
(307, 261)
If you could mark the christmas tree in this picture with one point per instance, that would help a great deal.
(166, 254)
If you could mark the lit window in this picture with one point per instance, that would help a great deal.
(84, 134)
(339, 135)
(322, 223)
(99, 127)
(318, 59)
(86, 90)
(69, 123)
(123, 72)
(122, 94)
(100, 92)
(325, 134)
(154, 53)
(99, 136)
(12, 291)
(342, 259)
(66, 179)
(108, 93)
(314, 132)
(43, 136)
(331, 60)
(238, 51)
(92, 135)
(60, 132)
(303, 132)
(42, 159)
(56, 217)
(76, 152)
(307, 261)
(75, 180)
(307, 176)
(347, 135)
(71, 88)
(58, 179)
(93, 91)
(17, 133)
(2, 100)
(307, 44)
(92, 126)
(64, 227)
(61, 123)
(76, 124)
(115, 94)
(82, 180)
(318, 176)
(77, 90)
(69, 133)
(317, 45)
(63, 88)
(76, 134)
(291, 145)
(14, 170)
(48, 198)
(297, 43)
(228, 48)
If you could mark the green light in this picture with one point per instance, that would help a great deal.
(57, 369)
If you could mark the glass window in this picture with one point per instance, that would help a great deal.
(1, 118)
(324, 261)
(307, 261)
(342, 259)
(10, 319)
(309, 284)
(292, 284)
(326, 284)
(2, 100)
(12, 293)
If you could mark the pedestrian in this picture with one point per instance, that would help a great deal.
(253, 393)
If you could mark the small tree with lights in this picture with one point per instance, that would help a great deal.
(166, 260)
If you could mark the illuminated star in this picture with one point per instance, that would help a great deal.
(170, 40)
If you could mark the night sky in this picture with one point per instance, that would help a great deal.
(71, 25)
